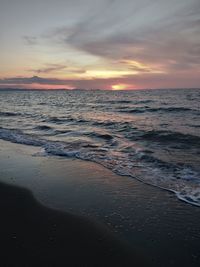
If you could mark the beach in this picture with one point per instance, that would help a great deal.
(33, 235)
(93, 211)
(100, 133)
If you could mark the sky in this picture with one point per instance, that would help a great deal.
(99, 44)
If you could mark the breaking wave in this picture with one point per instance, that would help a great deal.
(151, 136)
(129, 160)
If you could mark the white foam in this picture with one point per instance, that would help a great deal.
(181, 180)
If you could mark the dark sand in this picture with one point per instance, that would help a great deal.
(32, 235)
(160, 228)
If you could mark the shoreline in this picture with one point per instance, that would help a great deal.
(155, 224)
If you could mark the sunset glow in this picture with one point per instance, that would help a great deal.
(107, 74)
(82, 44)
(121, 86)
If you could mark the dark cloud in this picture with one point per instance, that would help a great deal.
(53, 68)
(159, 32)
(50, 68)
(31, 80)
(160, 35)
(147, 80)
(30, 40)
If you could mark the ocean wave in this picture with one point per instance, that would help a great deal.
(43, 128)
(59, 120)
(194, 126)
(169, 136)
(170, 109)
(41, 103)
(126, 109)
(118, 101)
(159, 109)
(17, 136)
(9, 114)
(161, 137)
(145, 101)
(135, 102)
(104, 136)
(128, 160)
(189, 196)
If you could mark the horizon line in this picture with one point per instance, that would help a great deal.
(95, 89)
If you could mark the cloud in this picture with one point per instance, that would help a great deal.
(157, 40)
(50, 68)
(145, 80)
(30, 40)
(162, 32)
(31, 80)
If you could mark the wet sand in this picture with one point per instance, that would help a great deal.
(161, 229)
(32, 235)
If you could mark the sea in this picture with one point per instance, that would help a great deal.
(149, 135)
